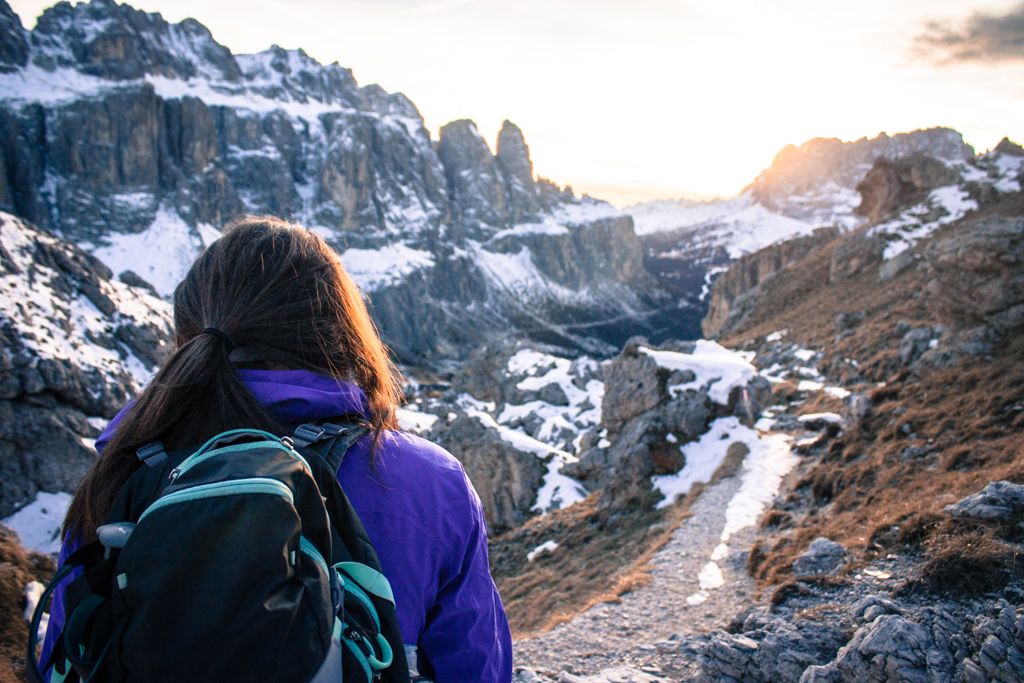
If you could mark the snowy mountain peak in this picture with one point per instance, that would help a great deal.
(13, 40)
(118, 42)
(137, 139)
(815, 182)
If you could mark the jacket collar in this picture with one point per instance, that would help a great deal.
(297, 396)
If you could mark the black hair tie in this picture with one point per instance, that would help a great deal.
(220, 335)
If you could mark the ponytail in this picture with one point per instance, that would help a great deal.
(279, 294)
(194, 395)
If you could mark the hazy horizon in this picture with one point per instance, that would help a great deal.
(663, 99)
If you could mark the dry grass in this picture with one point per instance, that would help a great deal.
(603, 553)
(17, 568)
(967, 564)
(867, 490)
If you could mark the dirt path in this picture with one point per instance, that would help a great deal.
(634, 640)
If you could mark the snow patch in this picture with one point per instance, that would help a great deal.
(414, 420)
(904, 231)
(830, 418)
(716, 367)
(563, 218)
(161, 254)
(374, 269)
(544, 548)
(38, 523)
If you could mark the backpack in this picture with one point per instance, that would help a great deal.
(242, 560)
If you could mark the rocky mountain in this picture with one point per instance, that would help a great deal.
(137, 139)
(827, 488)
(904, 201)
(687, 244)
(77, 345)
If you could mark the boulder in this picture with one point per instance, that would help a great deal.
(505, 478)
(823, 556)
(915, 342)
(976, 274)
(633, 385)
(855, 253)
(1000, 502)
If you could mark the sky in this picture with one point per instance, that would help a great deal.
(643, 99)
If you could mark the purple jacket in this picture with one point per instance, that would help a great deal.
(425, 521)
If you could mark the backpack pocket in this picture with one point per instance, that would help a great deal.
(220, 584)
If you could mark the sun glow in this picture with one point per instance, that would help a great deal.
(653, 98)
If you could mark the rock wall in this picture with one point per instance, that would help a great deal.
(735, 291)
(118, 128)
(76, 347)
(809, 169)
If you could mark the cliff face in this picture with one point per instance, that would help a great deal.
(735, 292)
(804, 182)
(904, 203)
(77, 346)
(137, 139)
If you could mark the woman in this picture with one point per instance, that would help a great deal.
(271, 333)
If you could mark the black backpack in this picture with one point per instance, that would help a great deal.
(240, 561)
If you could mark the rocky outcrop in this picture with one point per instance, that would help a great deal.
(476, 185)
(505, 478)
(734, 293)
(13, 40)
(934, 646)
(976, 274)
(76, 347)
(512, 415)
(524, 199)
(767, 651)
(895, 184)
(823, 556)
(643, 405)
(159, 135)
(808, 170)
(891, 641)
(1001, 502)
(1008, 146)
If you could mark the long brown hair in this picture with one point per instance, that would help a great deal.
(281, 296)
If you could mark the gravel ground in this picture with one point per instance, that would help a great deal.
(634, 640)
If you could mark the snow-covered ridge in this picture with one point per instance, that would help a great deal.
(69, 46)
(739, 226)
(36, 85)
(714, 367)
(564, 218)
(943, 205)
(56, 323)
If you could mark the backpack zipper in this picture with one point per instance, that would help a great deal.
(200, 456)
(222, 488)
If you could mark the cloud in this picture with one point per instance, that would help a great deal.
(981, 37)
